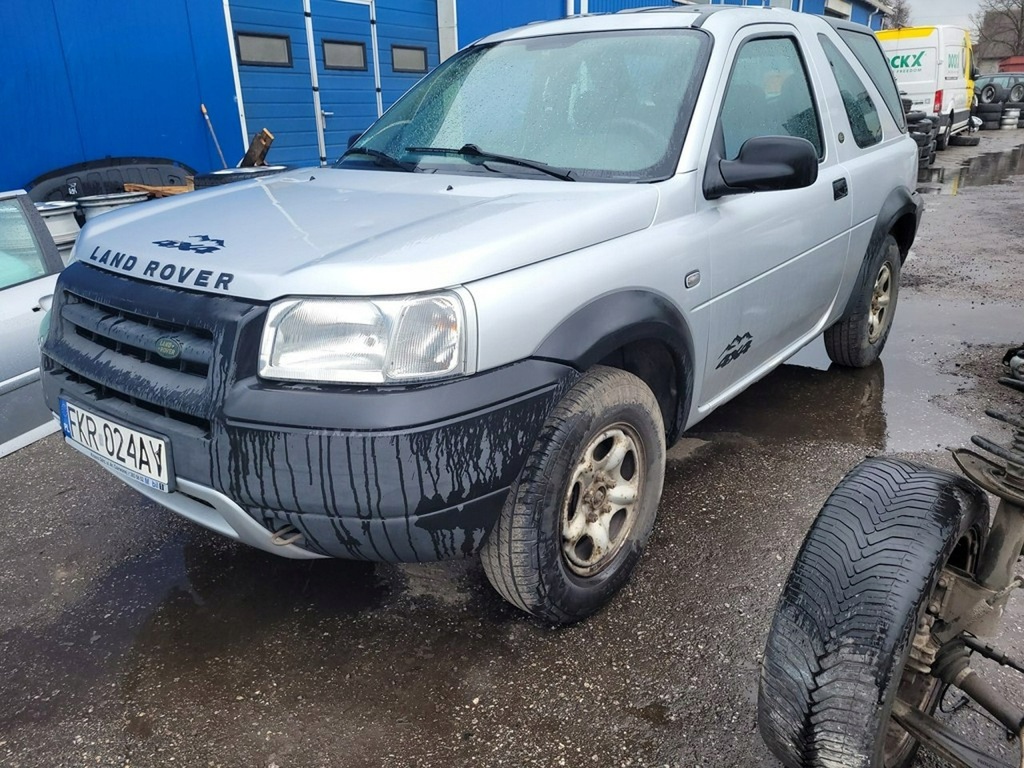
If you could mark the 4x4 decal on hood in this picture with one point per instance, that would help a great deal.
(737, 347)
(206, 244)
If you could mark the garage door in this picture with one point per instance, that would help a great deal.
(315, 83)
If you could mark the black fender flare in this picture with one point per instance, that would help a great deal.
(607, 323)
(900, 214)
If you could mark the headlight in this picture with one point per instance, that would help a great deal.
(365, 341)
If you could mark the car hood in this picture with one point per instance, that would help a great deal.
(328, 231)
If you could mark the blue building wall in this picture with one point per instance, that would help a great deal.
(83, 81)
(862, 13)
(88, 80)
(477, 18)
(280, 97)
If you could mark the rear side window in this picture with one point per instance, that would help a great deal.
(768, 95)
(869, 54)
(864, 122)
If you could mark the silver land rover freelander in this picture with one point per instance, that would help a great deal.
(480, 328)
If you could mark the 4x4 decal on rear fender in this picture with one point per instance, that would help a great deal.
(738, 346)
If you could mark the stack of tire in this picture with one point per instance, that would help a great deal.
(1011, 118)
(1000, 108)
(925, 132)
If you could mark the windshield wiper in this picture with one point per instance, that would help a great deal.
(382, 158)
(473, 151)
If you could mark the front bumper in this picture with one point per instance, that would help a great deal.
(400, 475)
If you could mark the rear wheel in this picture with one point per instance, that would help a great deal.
(857, 596)
(942, 140)
(859, 337)
(1016, 93)
(576, 521)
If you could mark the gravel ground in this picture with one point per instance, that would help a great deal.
(131, 638)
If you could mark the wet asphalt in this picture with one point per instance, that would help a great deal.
(129, 637)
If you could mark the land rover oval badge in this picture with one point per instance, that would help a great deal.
(168, 348)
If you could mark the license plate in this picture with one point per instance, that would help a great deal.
(128, 452)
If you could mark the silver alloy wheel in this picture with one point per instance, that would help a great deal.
(602, 498)
(881, 297)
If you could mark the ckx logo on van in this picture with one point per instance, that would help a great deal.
(906, 61)
(204, 244)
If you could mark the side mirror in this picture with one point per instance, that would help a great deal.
(975, 73)
(766, 164)
(353, 139)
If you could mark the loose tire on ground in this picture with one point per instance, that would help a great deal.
(963, 140)
(858, 338)
(602, 444)
(990, 125)
(837, 651)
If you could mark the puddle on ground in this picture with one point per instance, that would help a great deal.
(890, 407)
(981, 171)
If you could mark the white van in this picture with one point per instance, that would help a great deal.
(934, 66)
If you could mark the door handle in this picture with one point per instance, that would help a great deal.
(840, 189)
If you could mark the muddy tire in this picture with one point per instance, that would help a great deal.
(859, 337)
(837, 651)
(578, 516)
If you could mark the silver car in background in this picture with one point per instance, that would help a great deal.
(29, 264)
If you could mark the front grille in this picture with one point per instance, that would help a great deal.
(139, 337)
(112, 353)
(101, 392)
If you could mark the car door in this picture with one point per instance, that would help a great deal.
(777, 258)
(29, 264)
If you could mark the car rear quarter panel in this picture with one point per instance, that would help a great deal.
(877, 175)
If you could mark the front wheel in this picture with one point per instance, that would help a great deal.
(859, 337)
(578, 517)
(857, 597)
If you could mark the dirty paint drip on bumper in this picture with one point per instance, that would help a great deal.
(401, 474)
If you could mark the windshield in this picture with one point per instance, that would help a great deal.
(608, 106)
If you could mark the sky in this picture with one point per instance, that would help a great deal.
(929, 12)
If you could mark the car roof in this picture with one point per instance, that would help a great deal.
(723, 19)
